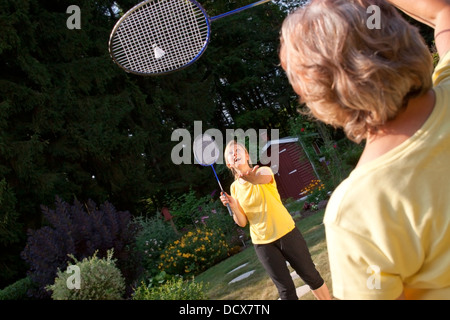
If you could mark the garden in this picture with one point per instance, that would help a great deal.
(140, 258)
(183, 251)
(120, 256)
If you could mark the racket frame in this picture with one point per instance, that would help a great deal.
(137, 7)
(200, 138)
(208, 21)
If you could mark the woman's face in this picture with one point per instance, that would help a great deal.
(237, 157)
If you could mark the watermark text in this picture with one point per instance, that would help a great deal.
(74, 21)
(73, 281)
(257, 145)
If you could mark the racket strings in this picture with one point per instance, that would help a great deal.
(206, 151)
(176, 30)
(187, 31)
(134, 48)
(136, 43)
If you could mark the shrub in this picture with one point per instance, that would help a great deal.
(215, 216)
(187, 208)
(10, 228)
(158, 279)
(17, 290)
(152, 237)
(11, 238)
(100, 279)
(219, 219)
(174, 289)
(316, 192)
(196, 251)
(79, 230)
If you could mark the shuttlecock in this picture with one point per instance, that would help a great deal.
(159, 53)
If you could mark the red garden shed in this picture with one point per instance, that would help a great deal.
(295, 170)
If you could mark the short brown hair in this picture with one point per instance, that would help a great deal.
(349, 75)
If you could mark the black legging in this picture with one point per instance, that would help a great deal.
(292, 248)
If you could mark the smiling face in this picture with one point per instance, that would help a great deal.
(236, 157)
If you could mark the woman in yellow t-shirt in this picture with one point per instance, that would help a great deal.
(359, 65)
(255, 199)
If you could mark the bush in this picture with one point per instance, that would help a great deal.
(153, 236)
(17, 290)
(10, 228)
(11, 238)
(219, 219)
(316, 192)
(194, 252)
(205, 211)
(100, 280)
(187, 208)
(79, 230)
(174, 289)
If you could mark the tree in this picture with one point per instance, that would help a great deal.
(10, 234)
(75, 125)
(250, 89)
(71, 122)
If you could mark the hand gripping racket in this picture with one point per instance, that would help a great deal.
(206, 153)
(161, 36)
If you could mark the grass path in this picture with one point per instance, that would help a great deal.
(259, 286)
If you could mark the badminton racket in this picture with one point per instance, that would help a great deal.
(206, 152)
(157, 37)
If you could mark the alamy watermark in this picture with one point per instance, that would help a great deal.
(257, 144)
(74, 21)
(374, 280)
(74, 280)
(374, 20)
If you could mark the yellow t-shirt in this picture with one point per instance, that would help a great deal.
(268, 218)
(387, 224)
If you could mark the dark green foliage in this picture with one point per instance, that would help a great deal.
(152, 237)
(74, 124)
(248, 81)
(78, 229)
(173, 289)
(18, 290)
(10, 233)
(71, 122)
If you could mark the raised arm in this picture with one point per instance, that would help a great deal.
(434, 13)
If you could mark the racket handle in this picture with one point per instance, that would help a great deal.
(229, 209)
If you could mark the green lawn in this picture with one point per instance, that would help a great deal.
(259, 286)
